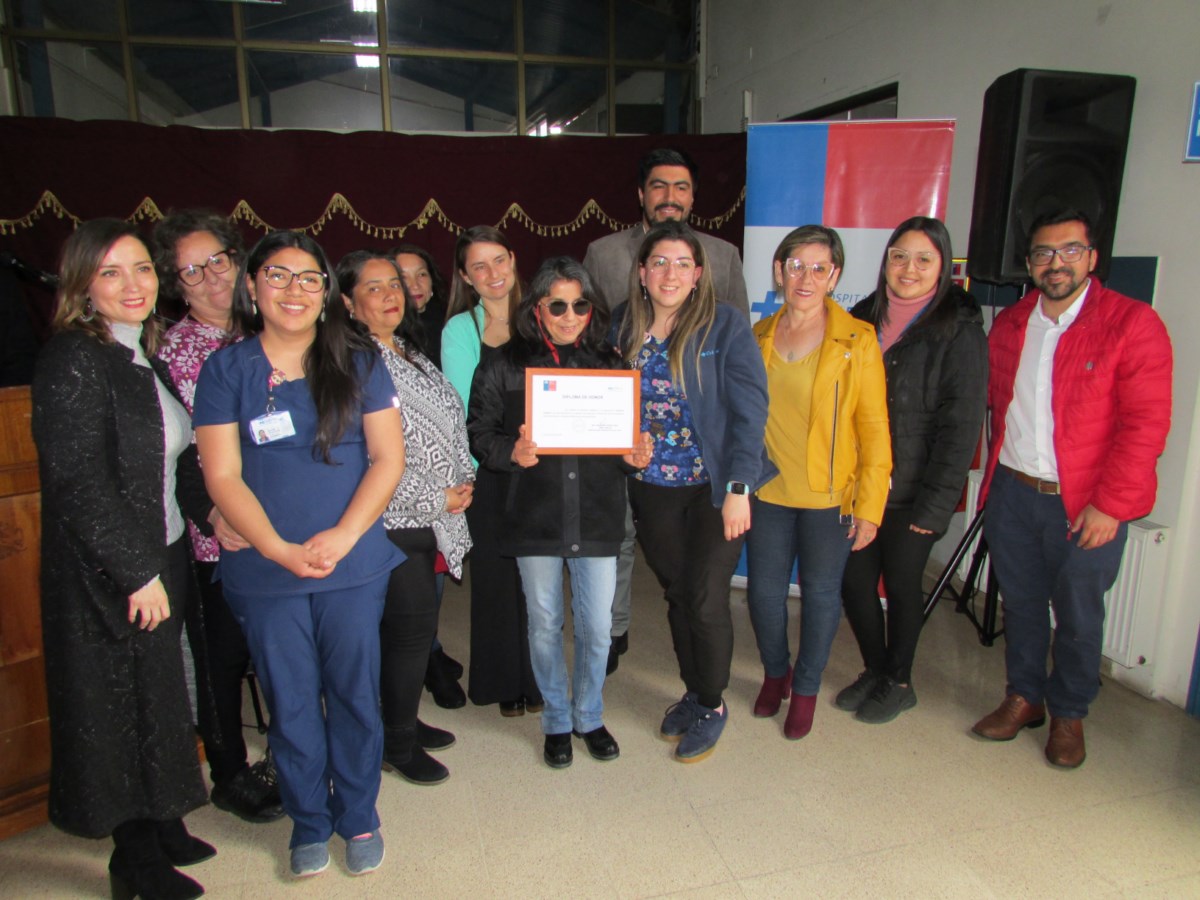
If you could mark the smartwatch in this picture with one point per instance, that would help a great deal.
(736, 487)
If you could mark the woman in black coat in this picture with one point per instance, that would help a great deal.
(118, 474)
(935, 360)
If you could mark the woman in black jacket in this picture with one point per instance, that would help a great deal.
(559, 508)
(118, 475)
(935, 359)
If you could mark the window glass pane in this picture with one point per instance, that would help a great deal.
(63, 15)
(452, 24)
(186, 86)
(72, 81)
(311, 20)
(661, 32)
(453, 95)
(654, 102)
(312, 90)
(185, 18)
(566, 27)
(566, 98)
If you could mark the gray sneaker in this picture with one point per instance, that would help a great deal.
(854, 696)
(364, 854)
(701, 739)
(888, 701)
(309, 859)
(679, 718)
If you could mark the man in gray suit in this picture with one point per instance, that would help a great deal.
(666, 188)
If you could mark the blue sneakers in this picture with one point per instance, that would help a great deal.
(701, 738)
(309, 859)
(364, 854)
(679, 718)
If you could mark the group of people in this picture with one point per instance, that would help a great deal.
(360, 435)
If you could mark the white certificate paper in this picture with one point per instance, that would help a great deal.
(582, 411)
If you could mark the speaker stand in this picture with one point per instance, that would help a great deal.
(985, 628)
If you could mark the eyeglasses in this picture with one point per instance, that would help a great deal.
(1071, 253)
(901, 258)
(281, 278)
(819, 271)
(218, 264)
(659, 264)
(558, 308)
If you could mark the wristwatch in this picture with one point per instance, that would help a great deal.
(736, 487)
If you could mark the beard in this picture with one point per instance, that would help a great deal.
(1058, 290)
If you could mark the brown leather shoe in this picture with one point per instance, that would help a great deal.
(1009, 718)
(1065, 747)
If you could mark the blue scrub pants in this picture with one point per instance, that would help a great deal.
(317, 659)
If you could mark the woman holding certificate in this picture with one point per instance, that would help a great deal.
(561, 508)
(828, 433)
(704, 400)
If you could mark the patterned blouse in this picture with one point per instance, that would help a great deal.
(435, 451)
(678, 459)
(185, 347)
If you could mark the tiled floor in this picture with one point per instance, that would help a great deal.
(916, 808)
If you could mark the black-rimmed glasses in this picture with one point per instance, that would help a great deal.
(218, 264)
(281, 279)
(1072, 253)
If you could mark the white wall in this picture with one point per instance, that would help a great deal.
(795, 55)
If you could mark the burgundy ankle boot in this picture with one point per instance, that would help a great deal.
(774, 691)
(800, 716)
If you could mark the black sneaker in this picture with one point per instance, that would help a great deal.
(854, 696)
(888, 701)
(252, 794)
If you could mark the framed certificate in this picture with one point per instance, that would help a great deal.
(583, 411)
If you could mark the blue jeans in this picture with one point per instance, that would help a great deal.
(593, 580)
(1039, 567)
(317, 659)
(816, 540)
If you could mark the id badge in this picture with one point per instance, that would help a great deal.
(271, 427)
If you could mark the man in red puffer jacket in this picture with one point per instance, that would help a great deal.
(1080, 400)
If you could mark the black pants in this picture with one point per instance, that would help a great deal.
(900, 555)
(219, 696)
(683, 539)
(410, 615)
(500, 667)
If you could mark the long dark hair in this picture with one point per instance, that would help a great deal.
(462, 295)
(79, 261)
(410, 332)
(329, 362)
(694, 320)
(437, 281)
(940, 315)
(529, 338)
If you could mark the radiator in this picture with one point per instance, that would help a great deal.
(1132, 604)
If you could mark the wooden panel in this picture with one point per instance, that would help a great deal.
(20, 550)
(16, 438)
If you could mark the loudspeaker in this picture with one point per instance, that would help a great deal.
(1049, 140)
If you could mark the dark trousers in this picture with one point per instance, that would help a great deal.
(683, 539)
(410, 614)
(888, 643)
(220, 698)
(500, 666)
(1039, 567)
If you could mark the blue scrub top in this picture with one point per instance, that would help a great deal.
(301, 494)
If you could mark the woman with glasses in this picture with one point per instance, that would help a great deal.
(483, 303)
(197, 254)
(935, 356)
(827, 432)
(425, 515)
(704, 401)
(118, 476)
(302, 446)
(560, 508)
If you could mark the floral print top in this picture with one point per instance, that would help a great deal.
(678, 458)
(185, 347)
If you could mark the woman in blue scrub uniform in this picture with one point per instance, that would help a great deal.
(302, 447)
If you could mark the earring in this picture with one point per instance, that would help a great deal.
(322, 314)
(89, 312)
(645, 293)
(254, 306)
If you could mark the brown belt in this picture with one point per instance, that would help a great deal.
(1042, 487)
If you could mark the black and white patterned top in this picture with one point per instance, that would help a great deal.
(435, 451)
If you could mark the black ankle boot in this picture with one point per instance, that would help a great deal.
(138, 867)
(179, 847)
(449, 664)
(404, 756)
(447, 692)
(430, 738)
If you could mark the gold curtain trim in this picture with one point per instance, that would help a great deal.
(148, 211)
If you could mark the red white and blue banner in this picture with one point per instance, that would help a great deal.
(860, 178)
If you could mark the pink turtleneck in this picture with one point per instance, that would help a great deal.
(900, 315)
